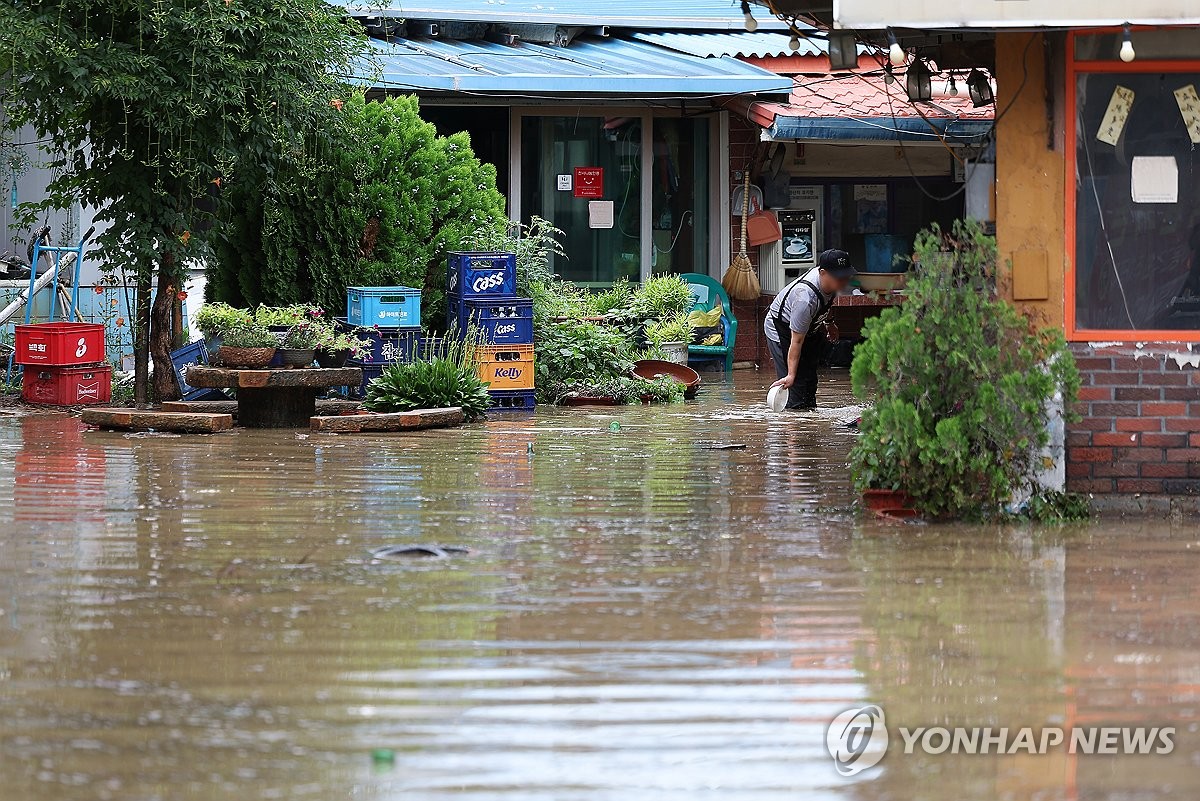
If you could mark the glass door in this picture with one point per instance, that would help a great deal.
(584, 175)
(679, 195)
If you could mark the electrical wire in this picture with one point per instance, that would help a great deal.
(1112, 256)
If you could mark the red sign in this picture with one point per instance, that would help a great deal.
(589, 182)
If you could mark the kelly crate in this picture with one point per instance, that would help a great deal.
(387, 345)
(513, 400)
(473, 275)
(59, 344)
(502, 321)
(505, 367)
(67, 386)
(384, 306)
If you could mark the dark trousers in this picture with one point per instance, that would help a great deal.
(803, 394)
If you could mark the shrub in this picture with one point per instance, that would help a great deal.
(429, 384)
(962, 384)
(580, 351)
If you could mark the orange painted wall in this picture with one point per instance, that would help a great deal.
(1029, 178)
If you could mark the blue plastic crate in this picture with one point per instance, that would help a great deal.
(193, 353)
(504, 321)
(370, 373)
(384, 306)
(513, 400)
(387, 345)
(472, 275)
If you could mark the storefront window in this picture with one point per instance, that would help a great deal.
(1137, 201)
(679, 196)
(602, 225)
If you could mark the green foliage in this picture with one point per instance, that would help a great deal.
(1057, 507)
(306, 336)
(578, 350)
(287, 315)
(380, 205)
(331, 340)
(429, 384)
(214, 319)
(622, 389)
(663, 297)
(962, 384)
(249, 335)
(668, 329)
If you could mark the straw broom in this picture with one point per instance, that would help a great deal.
(740, 281)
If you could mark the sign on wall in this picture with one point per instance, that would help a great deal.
(589, 182)
(867, 14)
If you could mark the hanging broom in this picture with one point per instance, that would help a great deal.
(740, 281)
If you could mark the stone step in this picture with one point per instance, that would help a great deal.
(394, 421)
(135, 420)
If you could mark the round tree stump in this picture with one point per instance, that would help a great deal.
(276, 407)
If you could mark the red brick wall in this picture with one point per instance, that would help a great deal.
(1140, 426)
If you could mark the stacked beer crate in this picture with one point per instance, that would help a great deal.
(390, 319)
(482, 296)
(63, 363)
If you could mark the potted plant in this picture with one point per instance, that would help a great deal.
(962, 385)
(299, 345)
(451, 379)
(335, 347)
(671, 336)
(214, 319)
(247, 345)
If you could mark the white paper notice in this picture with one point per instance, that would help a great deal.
(1114, 118)
(1189, 108)
(1155, 179)
(564, 182)
(600, 214)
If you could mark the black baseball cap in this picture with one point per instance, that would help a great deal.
(837, 264)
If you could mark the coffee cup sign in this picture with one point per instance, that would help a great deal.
(589, 182)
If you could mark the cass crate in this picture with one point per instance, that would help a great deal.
(513, 400)
(59, 344)
(505, 367)
(67, 386)
(501, 321)
(384, 306)
(386, 345)
(473, 275)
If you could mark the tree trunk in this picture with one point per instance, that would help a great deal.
(165, 386)
(141, 337)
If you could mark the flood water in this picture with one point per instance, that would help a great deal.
(641, 616)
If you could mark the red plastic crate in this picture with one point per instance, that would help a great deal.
(59, 344)
(67, 386)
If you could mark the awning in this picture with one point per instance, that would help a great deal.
(876, 129)
(856, 108)
(590, 67)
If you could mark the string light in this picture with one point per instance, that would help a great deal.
(1127, 53)
(794, 43)
(953, 86)
(895, 51)
(888, 75)
(751, 22)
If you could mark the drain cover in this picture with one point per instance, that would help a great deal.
(418, 551)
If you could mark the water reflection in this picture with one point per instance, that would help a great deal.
(640, 617)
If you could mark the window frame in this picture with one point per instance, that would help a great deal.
(1075, 68)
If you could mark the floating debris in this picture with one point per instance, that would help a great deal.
(418, 551)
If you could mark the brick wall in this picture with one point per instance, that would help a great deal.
(1140, 426)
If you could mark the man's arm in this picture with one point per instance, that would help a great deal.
(793, 361)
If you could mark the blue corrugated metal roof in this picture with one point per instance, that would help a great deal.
(879, 129)
(760, 44)
(724, 15)
(589, 67)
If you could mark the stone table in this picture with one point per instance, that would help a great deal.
(280, 398)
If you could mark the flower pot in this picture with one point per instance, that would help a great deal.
(247, 358)
(335, 358)
(676, 352)
(297, 357)
(880, 499)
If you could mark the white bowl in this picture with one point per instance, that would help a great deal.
(777, 398)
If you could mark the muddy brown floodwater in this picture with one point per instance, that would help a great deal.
(640, 617)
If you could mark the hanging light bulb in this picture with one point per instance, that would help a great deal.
(794, 43)
(953, 86)
(888, 75)
(751, 22)
(895, 51)
(1127, 53)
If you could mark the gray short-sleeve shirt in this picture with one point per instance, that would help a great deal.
(799, 305)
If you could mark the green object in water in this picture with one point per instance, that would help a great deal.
(614, 426)
(383, 756)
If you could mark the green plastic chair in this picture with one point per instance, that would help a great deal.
(707, 293)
